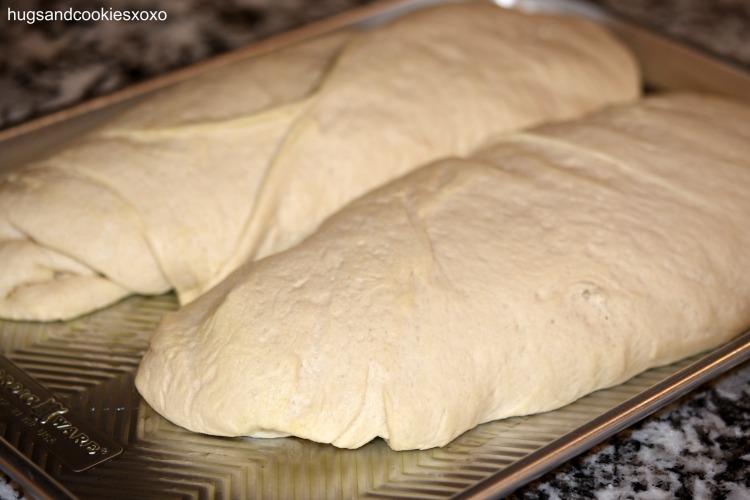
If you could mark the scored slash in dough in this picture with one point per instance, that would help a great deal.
(548, 265)
(246, 161)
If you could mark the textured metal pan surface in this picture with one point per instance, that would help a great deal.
(90, 364)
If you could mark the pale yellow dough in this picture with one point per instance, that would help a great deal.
(548, 265)
(248, 160)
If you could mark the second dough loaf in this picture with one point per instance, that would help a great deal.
(551, 264)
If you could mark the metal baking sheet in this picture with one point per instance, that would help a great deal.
(89, 363)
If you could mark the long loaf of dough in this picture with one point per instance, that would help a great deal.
(548, 265)
(248, 161)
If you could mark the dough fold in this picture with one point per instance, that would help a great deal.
(247, 160)
(549, 264)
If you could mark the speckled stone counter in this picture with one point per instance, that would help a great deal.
(698, 447)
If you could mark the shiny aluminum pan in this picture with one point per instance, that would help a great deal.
(90, 362)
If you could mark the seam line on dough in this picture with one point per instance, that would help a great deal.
(247, 244)
(203, 126)
(415, 222)
(34, 241)
(81, 176)
(643, 175)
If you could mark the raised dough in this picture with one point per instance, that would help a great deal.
(154, 200)
(548, 265)
(246, 162)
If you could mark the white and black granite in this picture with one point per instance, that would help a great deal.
(697, 448)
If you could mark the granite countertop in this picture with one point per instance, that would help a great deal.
(698, 447)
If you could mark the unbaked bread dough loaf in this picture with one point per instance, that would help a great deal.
(247, 161)
(548, 265)
(156, 199)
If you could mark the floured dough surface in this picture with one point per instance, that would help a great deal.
(246, 161)
(548, 265)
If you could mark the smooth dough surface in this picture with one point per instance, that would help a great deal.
(246, 161)
(548, 265)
